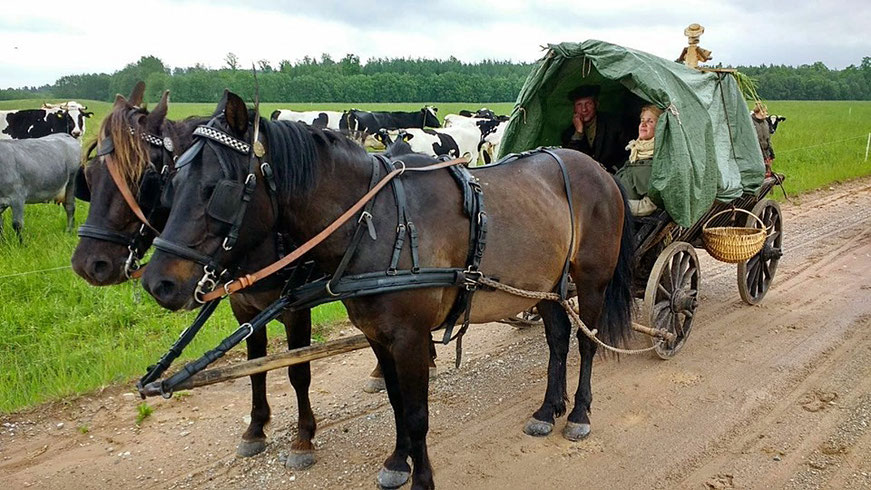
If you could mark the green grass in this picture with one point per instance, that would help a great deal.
(61, 337)
(143, 411)
(820, 142)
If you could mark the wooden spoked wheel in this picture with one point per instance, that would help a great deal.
(671, 296)
(755, 275)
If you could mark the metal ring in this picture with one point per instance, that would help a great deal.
(401, 170)
(330, 291)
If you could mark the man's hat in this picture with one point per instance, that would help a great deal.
(584, 91)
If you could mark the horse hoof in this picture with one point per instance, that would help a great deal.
(246, 449)
(537, 428)
(300, 460)
(392, 478)
(374, 385)
(575, 431)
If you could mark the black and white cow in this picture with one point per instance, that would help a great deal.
(36, 170)
(372, 122)
(482, 113)
(454, 142)
(490, 129)
(336, 121)
(773, 121)
(68, 117)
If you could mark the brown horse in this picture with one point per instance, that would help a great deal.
(320, 174)
(103, 261)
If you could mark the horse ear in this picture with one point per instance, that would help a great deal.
(236, 113)
(137, 94)
(120, 100)
(156, 117)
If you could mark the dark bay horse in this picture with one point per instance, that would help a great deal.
(103, 262)
(320, 174)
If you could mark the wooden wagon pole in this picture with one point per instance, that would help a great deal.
(267, 363)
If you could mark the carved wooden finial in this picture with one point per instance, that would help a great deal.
(692, 55)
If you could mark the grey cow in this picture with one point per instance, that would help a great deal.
(38, 170)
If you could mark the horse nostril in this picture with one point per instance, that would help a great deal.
(164, 289)
(100, 270)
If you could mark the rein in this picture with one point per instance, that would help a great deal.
(249, 279)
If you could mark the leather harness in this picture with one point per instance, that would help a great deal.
(304, 289)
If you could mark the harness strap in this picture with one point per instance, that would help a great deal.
(473, 206)
(88, 231)
(366, 216)
(235, 285)
(156, 370)
(564, 279)
(185, 253)
(121, 183)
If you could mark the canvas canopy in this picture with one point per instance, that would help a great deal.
(706, 146)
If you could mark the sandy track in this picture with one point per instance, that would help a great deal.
(777, 395)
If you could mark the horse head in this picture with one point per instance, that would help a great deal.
(113, 237)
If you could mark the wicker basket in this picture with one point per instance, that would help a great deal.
(733, 244)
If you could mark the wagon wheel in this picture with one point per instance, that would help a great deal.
(755, 275)
(671, 296)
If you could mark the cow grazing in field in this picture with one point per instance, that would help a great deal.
(38, 170)
(337, 121)
(68, 117)
(453, 142)
(773, 121)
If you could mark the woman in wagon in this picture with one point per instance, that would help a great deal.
(635, 174)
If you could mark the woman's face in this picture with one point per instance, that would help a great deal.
(647, 126)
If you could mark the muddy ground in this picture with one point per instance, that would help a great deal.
(772, 396)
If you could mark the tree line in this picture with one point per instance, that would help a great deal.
(398, 80)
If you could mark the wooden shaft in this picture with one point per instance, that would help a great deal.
(268, 363)
(653, 332)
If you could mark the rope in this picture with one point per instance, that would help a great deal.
(573, 315)
(36, 272)
(822, 144)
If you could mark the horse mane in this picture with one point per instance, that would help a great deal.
(182, 131)
(130, 154)
(293, 149)
(88, 149)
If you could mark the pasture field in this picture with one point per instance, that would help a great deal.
(60, 337)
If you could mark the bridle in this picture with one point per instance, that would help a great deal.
(229, 201)
(137, 243)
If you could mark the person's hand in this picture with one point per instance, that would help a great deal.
(578, 123)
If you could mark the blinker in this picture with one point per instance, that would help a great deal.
(107, 146)
(225, 200)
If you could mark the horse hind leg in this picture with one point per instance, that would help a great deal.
(375, 383)
(297, 325)
(590, 306)
(396, 471)
(557, 329)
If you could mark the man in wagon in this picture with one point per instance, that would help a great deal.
(595, 133)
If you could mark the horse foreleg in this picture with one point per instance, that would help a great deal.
(396, 469)
(298, 325)
(411, 353)
(254, 439)
(375, 383)
(557, 330)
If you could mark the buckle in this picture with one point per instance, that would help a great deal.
(472, 276)
(250, 330)
(225, 246)
(366, 215)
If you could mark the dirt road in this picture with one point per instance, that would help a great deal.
(772, 396)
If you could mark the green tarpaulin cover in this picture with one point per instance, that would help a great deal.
(706, 145)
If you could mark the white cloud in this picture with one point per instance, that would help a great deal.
(41, 41)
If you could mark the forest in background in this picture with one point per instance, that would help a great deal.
(398, 80)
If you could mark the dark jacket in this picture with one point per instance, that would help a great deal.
(609, 146)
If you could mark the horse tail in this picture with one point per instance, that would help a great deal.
(615, 324)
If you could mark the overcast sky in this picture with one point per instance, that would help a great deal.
(42, 40)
